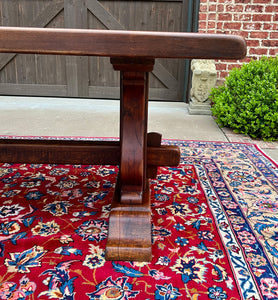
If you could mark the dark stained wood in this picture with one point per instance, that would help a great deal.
(133, 127)
(133, 54)
(59, 152)
(79, 152)
(117, 43)
(131, 203)
(153, 139)
(129, 235)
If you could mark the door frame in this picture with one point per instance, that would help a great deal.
(192, 26)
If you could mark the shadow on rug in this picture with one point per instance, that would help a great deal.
(215, 232)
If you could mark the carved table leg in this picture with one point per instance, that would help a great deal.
(129, 236)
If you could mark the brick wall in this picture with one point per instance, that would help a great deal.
(255, 20)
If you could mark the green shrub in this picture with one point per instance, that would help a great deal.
(248, 101)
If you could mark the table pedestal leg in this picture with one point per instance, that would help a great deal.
(129, 236)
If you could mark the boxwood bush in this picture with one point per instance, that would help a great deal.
(248, 100)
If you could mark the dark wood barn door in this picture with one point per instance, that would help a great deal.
(93, 77)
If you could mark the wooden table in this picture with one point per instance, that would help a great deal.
(138, 154)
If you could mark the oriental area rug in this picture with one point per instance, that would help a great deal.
(214, 229)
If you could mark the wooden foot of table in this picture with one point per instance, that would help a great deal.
(129, 236)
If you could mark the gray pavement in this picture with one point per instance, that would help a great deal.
(100, 118)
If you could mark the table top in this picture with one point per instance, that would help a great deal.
(119, 43)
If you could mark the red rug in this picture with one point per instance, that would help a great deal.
(215, 232)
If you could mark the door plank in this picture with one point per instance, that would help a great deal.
(103, 15)
(165, 76)
(76, 66)
(52, 90)
(109, 21)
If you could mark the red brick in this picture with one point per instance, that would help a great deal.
(274, 35)
(236, 32)
(252, 26)
(270, 26)
(242, 1)
(202, 25)
(244, 34)
(202, 16)
(232, 25)
(256, 21)
(234, 65)
(270, 43)
(225, 17)
(252, 43)
(271, 8)
(211, 25)
(262, 1)
(273, 52)
(211, 31)
(221, 66)
(234, 8)
(212, 16)
(242, 17)
(259, 34)
(254, 57)
(258, 51)
(224, 74)
(254, 8)
(219, 25)
(220, 8)
(261, 18)
(226, 1)
(203, 8)
(212, 7)
(221, 72)
(246, 59)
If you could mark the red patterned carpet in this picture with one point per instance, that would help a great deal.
(215, 232)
